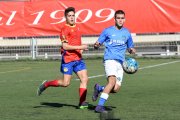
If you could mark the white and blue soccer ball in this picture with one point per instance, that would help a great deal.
(130, 65)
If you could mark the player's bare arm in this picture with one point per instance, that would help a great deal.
(66, 46)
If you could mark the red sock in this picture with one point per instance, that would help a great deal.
(53, 83)
(82, 95)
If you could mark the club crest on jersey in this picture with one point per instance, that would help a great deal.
(123, 38)
(65, 69)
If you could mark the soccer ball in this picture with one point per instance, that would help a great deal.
(130, 66)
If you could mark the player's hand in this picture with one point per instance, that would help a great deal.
(132, 50)
(96, 45)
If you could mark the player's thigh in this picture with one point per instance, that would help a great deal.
(119, 75)
(110, 67)
(66, 79)
(82, 74)
(114, 68)
(80, 69)
(112, 80)
(67, 70)
(119, 78)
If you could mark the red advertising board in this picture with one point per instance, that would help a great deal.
(44, 17)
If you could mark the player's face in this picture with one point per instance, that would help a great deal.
(70, 18)
(119, 20)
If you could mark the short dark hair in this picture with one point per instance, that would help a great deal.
(119, 12)
(69, 9)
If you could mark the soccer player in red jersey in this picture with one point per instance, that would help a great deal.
(71, 51)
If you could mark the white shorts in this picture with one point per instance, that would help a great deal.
(113, 67)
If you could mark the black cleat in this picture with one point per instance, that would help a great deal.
(41, 88)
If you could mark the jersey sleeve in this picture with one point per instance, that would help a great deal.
(102, 37)
(130, 43)
(63, 35)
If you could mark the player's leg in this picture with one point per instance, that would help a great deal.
(83, 86)
(105, 94)
(119, 78)
(66, 69)
(110, 69)
(116, 88)
(81, 72)
(97, 90)
(113, 86)
(83, 78)
(110, 85)
(54, 83)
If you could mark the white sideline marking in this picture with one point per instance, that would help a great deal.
(159, 65)
(93, 76)
(151, 66)
(22, 69)
(90, 77)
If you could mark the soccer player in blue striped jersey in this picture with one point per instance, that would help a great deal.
(116, 39)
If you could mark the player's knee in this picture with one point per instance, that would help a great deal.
(116, 89)
(84, 80)
(65, 84)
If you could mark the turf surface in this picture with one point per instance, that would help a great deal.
(150, 94)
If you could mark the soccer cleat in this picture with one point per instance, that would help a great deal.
(96, 92)
(100, 109)
(41, 88)
(84, 105)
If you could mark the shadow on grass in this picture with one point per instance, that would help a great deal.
(59, 105)
(56, 105)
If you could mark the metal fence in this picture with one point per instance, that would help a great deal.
(49, 47)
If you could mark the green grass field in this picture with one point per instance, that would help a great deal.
(153, 93)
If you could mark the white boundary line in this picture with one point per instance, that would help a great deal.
(96, 76)
(21, 69)
(159, 64)
(151, 66)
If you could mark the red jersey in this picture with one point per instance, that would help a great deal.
(72, 36)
